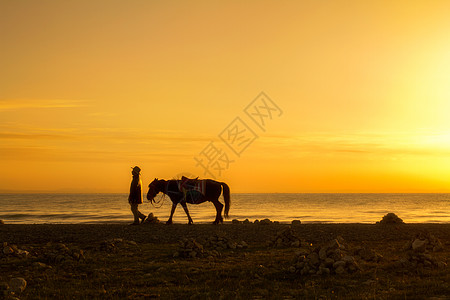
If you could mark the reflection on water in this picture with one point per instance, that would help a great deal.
(334, 208)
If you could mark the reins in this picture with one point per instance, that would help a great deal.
(161, 200)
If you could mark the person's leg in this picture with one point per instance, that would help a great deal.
(135, 211)
(140, 215)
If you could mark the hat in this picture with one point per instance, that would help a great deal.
(136, 169)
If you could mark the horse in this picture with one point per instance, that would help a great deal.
(193, 191)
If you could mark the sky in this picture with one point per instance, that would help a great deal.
(267, 96)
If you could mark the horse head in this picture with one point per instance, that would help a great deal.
(153, 189)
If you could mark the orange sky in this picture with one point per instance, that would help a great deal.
(89, 89)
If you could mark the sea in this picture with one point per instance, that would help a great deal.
(308, 208)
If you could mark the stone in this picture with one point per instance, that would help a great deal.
(313, 259)
(265, 222)
(329, 262)
(340, 270)
(151, 219)
(295, 244)
(348, 259)
(17, 285)
(40, 265)
(8, 250)
(338, 264)
(323, 253)
(236, 221)
(390, 219)
(419, 245)
(22, 253)
(246, 221)
(296, 222)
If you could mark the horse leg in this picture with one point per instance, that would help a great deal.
(219, 207)
(190, 222)
(174, 205)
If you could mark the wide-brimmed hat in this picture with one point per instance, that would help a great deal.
(136, 169)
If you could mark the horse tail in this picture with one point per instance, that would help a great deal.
(226, 197)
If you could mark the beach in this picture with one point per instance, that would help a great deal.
(228, 261)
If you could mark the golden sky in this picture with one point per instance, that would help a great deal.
(91, 88)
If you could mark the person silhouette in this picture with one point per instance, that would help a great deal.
(135, 197)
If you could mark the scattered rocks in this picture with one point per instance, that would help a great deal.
(424, 242)
(366, 254)
(212, 247)
(114, 245)
(390, 219)
(331, 258)
(265, 222)
(56, 253)
(220, 243)
(189, 248)
(418, 254)
(414, 261)
(17, 285)
(236, 221)
(285, 239)
(151, 219)
(13, 250)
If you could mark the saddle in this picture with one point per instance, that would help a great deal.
(191, 184)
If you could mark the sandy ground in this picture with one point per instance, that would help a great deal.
(259, 271)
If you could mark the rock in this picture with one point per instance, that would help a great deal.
(8, 250)
(296, 222)
(368, 254)
(189, 248)
(313, 259)
(441, 265)
(340, 270)
(40, 265)
(236, 221)
(331, 258)
(151, 219)
(246, 221)
(22, 253)
(244, 244)
(17, 285)
(265, 222)
(284, 239)
(418, 245)
(339, 263)
(390, 219)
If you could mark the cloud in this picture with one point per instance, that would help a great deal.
(361, 143)
(18, 104)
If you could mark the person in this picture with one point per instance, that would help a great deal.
(135, 197)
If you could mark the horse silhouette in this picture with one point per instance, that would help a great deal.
(193, 191)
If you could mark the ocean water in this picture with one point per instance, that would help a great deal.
(309, 208)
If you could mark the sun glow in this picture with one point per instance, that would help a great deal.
(364, 89)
